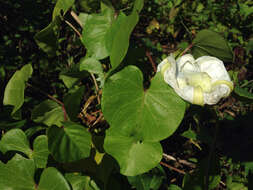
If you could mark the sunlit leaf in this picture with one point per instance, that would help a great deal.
(14, 91)
(138, 119)
(16, 140)
(17, 174)
(52, 179)
(94, 30)
(40, 151)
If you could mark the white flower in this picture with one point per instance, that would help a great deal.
(201, 81)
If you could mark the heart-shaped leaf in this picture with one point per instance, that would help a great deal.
(51, 178)
(138, 119)
(14, 91)
(211, 43)
(17, 174)
(94, 30)
(16, 140)
(63, 5)
(69, 143)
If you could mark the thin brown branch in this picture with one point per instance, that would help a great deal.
(96, 86)
(74, 15)
(180, 161)
(173, 168)
(151, 61)
(77, 32)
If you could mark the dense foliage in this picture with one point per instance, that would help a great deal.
(83, 106)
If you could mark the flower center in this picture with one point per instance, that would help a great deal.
(198, 79)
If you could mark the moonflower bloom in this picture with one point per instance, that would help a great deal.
(201, 81)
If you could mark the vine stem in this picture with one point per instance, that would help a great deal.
(210, 157)
(71, 25)
(187, 49)
(173, 168)
(151, 61)
(52, 98)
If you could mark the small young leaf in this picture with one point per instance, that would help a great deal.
(51, 178)
(40, 151)
(17, 174)
(63, 5)
(69, 143)
(16, 140)
(48, 112)
(91, 65)
(211, 43)
(243, 93)
(14, 91)
(47, 40)
(150, 180)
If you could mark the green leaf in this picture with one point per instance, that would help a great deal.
(117, 38)
(17, 174)
(52, 179)
(14, 91)
(174, 187)
(151, 180)
(138, 5)
(138, 119)
(69, 143)
(91, 65)
(211, 43)
(48, 112)
(243, 93)
(47, 39)
(40, 151)
(62, 5)
(16, 140)
(94, 30)
(190, 134)
(81, 182)
(72, 103)
(72, 76)
(152, 114)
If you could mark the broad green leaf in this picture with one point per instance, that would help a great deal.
(91, 65)
(69, 143)
(14, 91)
(138, 119)
(48, 112)
(152, 114)
(52, 179)
(81, 182)
(150, 180)
(94, 30)
(17, 174)
(40, 151)
(72, 103)
(243, 93)
(62, 5)
(47, 40)
(16, 140)
(211, 43)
